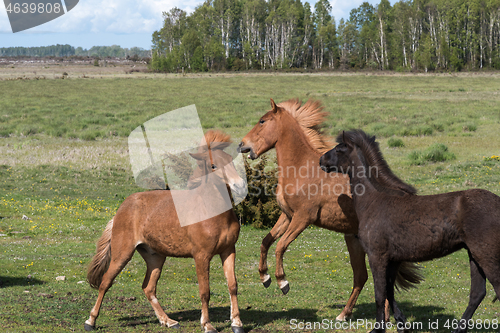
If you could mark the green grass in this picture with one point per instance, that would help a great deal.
(437, 152)
(65, 166)
(395, 142)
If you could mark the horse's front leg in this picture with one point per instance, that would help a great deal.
(276, 232)
(228, 258)
(299, 223)
(378, 267)
(202, 262)
(358, 264)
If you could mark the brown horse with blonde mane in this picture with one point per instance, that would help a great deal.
(306, 194)
(148, 222)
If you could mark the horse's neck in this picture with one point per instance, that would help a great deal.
(361, 186)
(292, 148)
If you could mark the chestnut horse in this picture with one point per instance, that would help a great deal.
(395, 225)
(148, 222)
(306, 194)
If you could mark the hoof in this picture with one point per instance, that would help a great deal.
(285, 289)
(237, 329)
(176, 326)
(88, 327)
(267, 283)
(213, 331)
(341, 317)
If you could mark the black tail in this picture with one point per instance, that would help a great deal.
(409, 275)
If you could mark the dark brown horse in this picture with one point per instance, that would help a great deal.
(307, 195)
(395, 225)
(148, 222)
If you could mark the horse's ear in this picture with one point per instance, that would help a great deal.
(197, 156)
(348, 143)
(274, 106)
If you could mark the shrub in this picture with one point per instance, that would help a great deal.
(260, 208)
(395, 142)
(417, 131)
(437, 152)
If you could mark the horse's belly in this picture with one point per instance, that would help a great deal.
(421, 247)
(168, 244)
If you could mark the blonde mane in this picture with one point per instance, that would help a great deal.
(310, 118)
(216, 136)
(213, 136)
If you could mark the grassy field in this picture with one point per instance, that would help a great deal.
(64, 165)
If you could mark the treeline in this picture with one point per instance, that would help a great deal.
(277, 34)
(68, 50)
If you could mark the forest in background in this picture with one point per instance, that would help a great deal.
(66, 50)
(419, 35)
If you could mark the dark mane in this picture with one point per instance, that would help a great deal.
(387, 180)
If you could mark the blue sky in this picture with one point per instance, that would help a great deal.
(127, 23)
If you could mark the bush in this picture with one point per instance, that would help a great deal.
(437, 152)
(260, 208)
(395, 142)
(417, 131)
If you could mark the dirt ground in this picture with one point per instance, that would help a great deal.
(55, 68)
(60, 68)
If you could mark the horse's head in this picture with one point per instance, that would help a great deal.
(263, 135)
(212, 159)
(338, 159)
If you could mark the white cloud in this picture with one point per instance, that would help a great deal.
(136, 16)
(342, 8)
(112, 16)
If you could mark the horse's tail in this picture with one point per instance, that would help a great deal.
(408, 276)
(102, 258)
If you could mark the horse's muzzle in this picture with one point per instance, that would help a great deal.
(247, 149)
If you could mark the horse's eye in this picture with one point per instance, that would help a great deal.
(214, 167)
(262, 121)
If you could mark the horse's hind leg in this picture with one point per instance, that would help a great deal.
(477, 292)
(115, 267)
(276, 232)
(228, 258)
(392, 270)
(154, 263)
(358, 264)
(202, 262)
